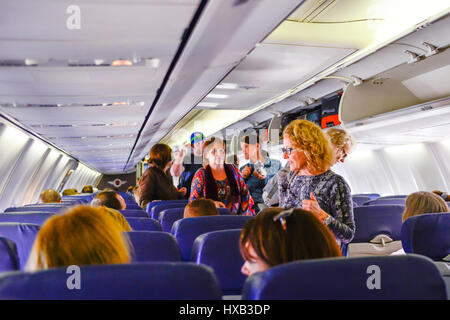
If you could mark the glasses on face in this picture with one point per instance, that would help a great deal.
(287, 151)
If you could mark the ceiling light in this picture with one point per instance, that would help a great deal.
(227, 86)
(152, 63)
(118, 63)
(208, 104)
(217, 96)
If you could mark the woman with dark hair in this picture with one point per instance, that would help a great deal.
(275, 237)
(221, 182)
(155, 183)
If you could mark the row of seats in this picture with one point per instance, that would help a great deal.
(394, 277)
(196, 241)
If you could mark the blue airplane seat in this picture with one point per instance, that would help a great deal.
(153, 246)
(188, 229)
(23, 235)
(407, 277)
(143, 224)
(220, 251)
(136, 281)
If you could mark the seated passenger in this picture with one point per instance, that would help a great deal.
(87, 189)
(200, 207)
(110, 199)
(50, 196)
(118, 218)
(155, 183)
(221, 182)
(443, 195)
(423, 202)
(310, 184)
(275, 237)
(70, 192)
(259, 170)
(342, 143)
(82, 236)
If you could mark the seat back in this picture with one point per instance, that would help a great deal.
(152, 204)
(360, 200)
(134, 213)
(155, 281)
(428, 235)
(143, 224)
(55, 208)
(377, 232)
(133, 206)
(220, 251)
(38, 218)
(153, 246)
(187, 230)
(399, 196)
(156, 210)
(394, 201)
(168, 217)
(372, 196)
(404, 277)
(23, 235)
(9, 260)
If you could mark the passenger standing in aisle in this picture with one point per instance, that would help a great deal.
(259, 170)
(185, 166)
(310, 184)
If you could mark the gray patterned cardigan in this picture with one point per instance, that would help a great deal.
(332, 193)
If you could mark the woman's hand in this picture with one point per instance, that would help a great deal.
(219, 204)
(313, 207)
(259, 175)
(246, 172)
(183, 191)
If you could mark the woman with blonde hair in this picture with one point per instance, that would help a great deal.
(83, 235)
(221, 182)
(310, 184)
(342, 143)
(423, 202)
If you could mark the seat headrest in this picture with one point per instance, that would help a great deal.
(8, 255)
(157, 281)
(38, 218)
(428, 235)
(23, 235)
(153, 246)
(53, 208)
(134, 213)
(143, 224)
(186, 230)
(394, 201)
(371, 221)
(220, 251)
(156, 210)
(367, 278)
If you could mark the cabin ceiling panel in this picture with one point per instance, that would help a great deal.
(64, 84)
(225, 33)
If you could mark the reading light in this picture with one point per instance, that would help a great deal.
(208, 104)
(217, 96)
(120, 63)
(227, 86)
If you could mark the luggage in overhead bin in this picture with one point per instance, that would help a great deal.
(330, 112)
